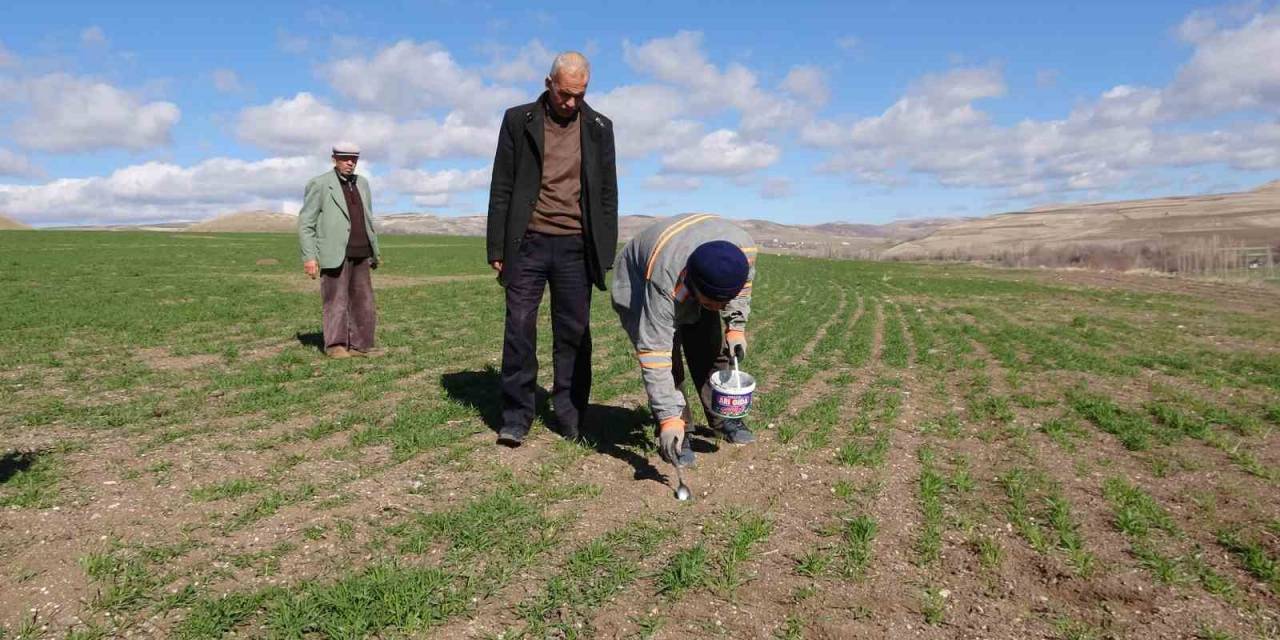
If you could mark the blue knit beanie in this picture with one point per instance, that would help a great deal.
(718, 270)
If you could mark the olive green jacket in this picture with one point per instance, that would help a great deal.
(324, 225)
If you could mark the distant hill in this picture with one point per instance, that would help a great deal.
(425, 223)
(837, 239)
(249, 222)
(1047, 235)
(832, 239)
(1245, 218)
(7, 223)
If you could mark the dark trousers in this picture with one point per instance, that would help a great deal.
(560, 261)
(703, 346)
(349, 317)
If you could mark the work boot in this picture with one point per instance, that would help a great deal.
(338, 352)
(735, 432)
(512, 436)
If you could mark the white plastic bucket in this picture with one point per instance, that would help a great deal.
(731, 393)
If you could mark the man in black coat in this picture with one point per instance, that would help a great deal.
(553, 219)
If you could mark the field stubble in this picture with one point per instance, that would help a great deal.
(944, 451)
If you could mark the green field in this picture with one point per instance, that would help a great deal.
(945, 451)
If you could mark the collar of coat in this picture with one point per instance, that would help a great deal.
(535, 115)
(537, 111)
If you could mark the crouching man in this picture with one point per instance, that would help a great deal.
(684, 285)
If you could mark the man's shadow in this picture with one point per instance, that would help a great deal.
(618, 432)
(14, 462)
(314, 339)
(481, 391)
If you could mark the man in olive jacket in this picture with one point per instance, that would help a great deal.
(553, 219)
(339, 245)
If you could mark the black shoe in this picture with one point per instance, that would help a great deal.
(735, 432)
(569, 433)
(512, 436)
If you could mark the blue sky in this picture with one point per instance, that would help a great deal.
(797, 112)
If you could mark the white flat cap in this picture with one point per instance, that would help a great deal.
(346, 149)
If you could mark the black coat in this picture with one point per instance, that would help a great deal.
(517, 178)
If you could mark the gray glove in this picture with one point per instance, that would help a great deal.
(670, 439)
(737, 343)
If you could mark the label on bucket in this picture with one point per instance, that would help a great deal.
(732, 406)
(731, 393)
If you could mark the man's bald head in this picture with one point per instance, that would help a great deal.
(567, 83)
(570, 63)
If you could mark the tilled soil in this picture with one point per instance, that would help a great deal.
(326, 495)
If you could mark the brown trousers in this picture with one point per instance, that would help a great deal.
(349, 317)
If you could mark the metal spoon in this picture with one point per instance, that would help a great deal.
(673, 456)
(682, 490)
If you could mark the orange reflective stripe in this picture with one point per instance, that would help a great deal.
(654, 359)
(670, 233)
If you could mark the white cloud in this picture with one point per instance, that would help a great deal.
(647, 118)
(407, 77)
(292, 43)
(7, 57)
(1047, 77)
(307, 125)
(455, 136)
(663, 182)
(65, 113)
(1230, 69)
(227, 81)
(849, 43)
(1122, 105)
(159, 191)
(936, 107)
(960, 86)
(93, 37)
(721, 152)
(434, 188)
(680, 61)
(807, 82)
(1201, 23)
(13, 163)
(936, 130)
(775, 188)
(530, 63)
(156, 191)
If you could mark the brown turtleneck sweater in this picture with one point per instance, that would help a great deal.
(559, 211)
